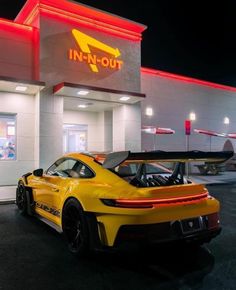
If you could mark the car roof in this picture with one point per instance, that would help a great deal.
(80, 156)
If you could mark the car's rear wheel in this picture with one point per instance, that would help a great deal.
(21, 198)
(75, 228)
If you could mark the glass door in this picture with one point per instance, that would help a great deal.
(74, 138)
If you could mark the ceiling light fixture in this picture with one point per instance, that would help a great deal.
(21, 88)
(82, 106)
(82, 93)
(124, 98)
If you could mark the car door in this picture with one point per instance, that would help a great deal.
(52, 186)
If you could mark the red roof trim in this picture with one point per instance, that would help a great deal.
(93, 24)
(11, 24)
(81, 11)
(187, 79)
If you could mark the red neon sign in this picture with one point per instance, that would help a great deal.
(186, 79)
(187, 125)
(93, 60)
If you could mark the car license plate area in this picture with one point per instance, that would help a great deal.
(191, 225)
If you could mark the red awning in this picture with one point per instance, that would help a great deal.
(157, 130)
(210, 133)
(232, 135)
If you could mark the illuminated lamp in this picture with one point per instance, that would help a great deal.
(21, 88)
(82, 93)
(149, 111)
(155, 202)
(226, 120)
(124, 98)
(192, 116)
(82, 106)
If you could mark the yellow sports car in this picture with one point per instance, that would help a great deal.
(100, 201)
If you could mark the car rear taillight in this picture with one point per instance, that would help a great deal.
(126, 203)
(153, 202)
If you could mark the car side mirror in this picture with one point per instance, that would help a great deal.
(38, 172)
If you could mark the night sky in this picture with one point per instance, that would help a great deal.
(190, 38)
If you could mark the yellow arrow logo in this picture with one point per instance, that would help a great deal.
(85, 42)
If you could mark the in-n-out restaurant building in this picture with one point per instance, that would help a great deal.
(71, 80)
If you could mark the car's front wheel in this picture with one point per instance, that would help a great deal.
(21, 198)
(75, 228)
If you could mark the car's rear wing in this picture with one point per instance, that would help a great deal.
(116, 158)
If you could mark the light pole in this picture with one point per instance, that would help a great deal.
(187, 125)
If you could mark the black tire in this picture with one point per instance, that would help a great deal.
(21, 198)
(75, 228)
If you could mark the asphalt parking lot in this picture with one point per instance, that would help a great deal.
(34, 256)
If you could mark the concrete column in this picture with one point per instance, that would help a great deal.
(127, 127)
(51, 128)
(108, 134)
(104, 131)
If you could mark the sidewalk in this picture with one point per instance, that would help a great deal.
(221, 178)
(8, 193)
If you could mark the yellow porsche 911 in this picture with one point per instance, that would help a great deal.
(104, 201)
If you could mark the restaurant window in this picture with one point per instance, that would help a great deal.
(74, 138)
(7, 137)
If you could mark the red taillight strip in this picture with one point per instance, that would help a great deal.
(189, 198)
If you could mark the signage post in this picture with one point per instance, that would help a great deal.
(187, 125)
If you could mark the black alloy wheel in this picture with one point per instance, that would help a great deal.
(21, 198)
(75, 228)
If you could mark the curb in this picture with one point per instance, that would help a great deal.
(7, 201)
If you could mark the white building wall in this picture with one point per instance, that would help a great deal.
(17, 52)
(100, 132)
(172, 100)
(108, 132)
(24, 108)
